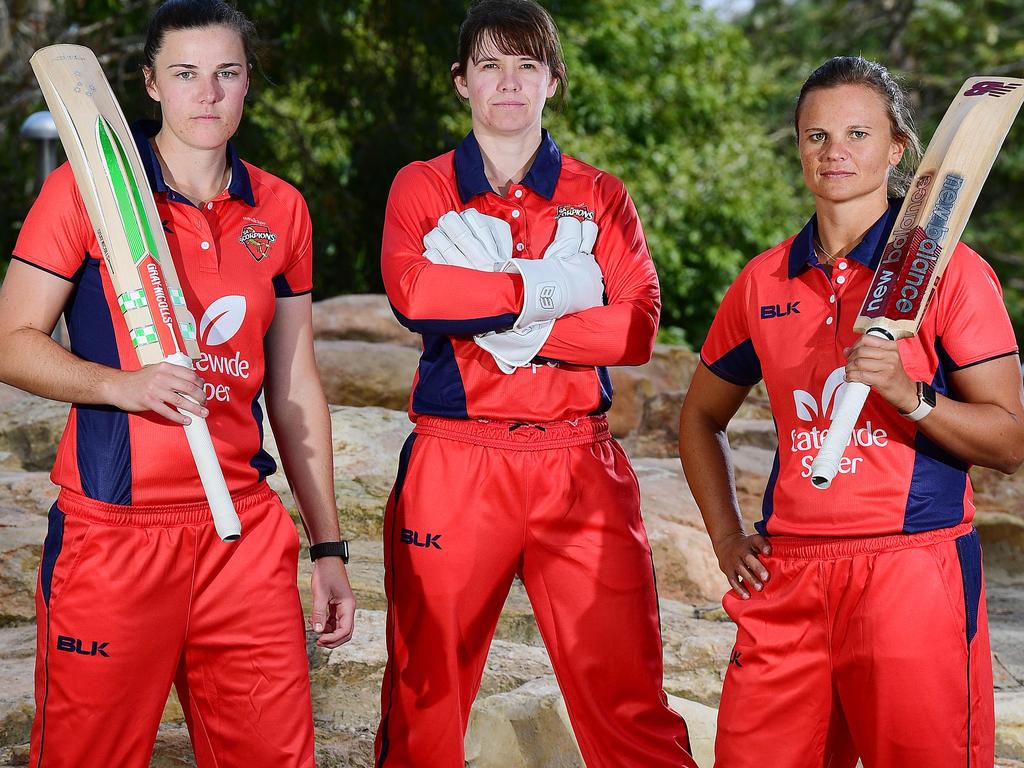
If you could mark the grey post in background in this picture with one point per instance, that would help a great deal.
(39, 127)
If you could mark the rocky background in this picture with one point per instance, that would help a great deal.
(519, 721)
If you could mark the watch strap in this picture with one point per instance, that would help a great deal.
(925, 402)
(329, 549)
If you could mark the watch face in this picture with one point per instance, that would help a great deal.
(926, 393)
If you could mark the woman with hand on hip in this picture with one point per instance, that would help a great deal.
(860, 611)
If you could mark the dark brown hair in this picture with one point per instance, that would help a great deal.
(195, 14)
(517, 28)
(856, 70)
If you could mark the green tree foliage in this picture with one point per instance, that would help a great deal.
(663, 94)
(666, 96)
(690, 109)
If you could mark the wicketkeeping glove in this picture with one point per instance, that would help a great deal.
(515, 348)
(566, 280)
(471, 240)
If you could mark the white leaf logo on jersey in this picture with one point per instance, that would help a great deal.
(222, 320)
(807, 406)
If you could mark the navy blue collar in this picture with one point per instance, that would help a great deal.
(144, 130)
(867, 252)
(472, 181)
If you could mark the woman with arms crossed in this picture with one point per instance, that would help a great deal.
(860, 611)
(130, 530)
(511, 469)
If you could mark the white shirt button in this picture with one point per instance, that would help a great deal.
(204, 245)
(519, 193)
(841, 279)
(209, 206)
(832, 299)
(520, 247)
(841, 265)
(515, 214)
(828, 321)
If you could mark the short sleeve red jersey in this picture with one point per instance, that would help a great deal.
(787, 321)
(235, 256)
(448, 305)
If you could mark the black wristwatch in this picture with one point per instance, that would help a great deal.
(329, 549)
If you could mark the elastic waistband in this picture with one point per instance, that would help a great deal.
(517, 436)
(804, 548)
(153, 516)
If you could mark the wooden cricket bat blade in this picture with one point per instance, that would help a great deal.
(123, 213)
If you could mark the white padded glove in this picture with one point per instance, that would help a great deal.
(566, 280)
(515, 348)
(469, 239)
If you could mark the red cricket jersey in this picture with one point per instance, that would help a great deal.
(247, 247)
(448, 305)
(784, 319)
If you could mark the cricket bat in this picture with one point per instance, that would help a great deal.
(113, 184)
(934, 214)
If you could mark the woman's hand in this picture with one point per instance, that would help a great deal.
(334, 605)
(876, 362)
(738, 557)
(162, 388)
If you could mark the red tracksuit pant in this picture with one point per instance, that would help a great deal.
(478, 503)
(131, 599)
(876, 647)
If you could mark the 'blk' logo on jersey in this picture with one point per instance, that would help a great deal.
(768, 311)
(257, 238)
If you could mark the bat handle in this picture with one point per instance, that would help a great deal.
(225, 519)
(825, 466)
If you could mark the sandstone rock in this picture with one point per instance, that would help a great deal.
(1010, 724)
(22, 531)
(684, 560)
(30, 430)
(523, 728)
(17, 653)
(367, 442)
(360, 317)
(362, 373)
(31, 492)
(529, 727)
(696, 653)
(10, 395)
(701, 724)
(669, 369)
(997, 492)
(657, 433)
(1002, 541)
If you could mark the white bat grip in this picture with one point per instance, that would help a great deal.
(225, 519)
(826, 463)
(825, 466)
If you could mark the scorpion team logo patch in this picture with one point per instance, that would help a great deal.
(257, 238)
(581, 212)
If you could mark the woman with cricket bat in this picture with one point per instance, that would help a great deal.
(860, 610)
(136, 590)
(500, 253)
